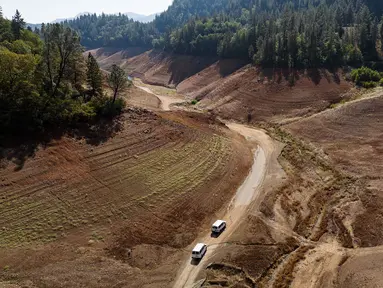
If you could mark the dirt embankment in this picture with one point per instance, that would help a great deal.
(106, 57)
(255, 95)
(350, 137)
(136, 193)
(161, 68)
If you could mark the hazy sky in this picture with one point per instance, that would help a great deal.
(37, 11)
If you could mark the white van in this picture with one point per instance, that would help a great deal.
(218, 226)
(199, 251)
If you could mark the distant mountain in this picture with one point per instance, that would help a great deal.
(71, 18)
(136, 17)
(33, 26)
(140, 17)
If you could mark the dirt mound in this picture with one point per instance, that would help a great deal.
(144, 185)
(232, 90)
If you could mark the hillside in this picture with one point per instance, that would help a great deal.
(136, 185)
(351, 137)
(231, 89)
(288, 34)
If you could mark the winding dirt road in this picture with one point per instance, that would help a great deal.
(248, 196)
(166, 101)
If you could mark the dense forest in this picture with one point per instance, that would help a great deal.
(293, 33)
(45, 80)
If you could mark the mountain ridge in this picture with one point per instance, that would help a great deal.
(133, 15)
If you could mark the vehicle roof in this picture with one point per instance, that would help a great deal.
(198, 247)
(218, 222)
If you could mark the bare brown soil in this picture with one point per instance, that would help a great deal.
(268, 96)
(363, 269)
(350, 137)
(160, 68)
(106, 57)
(140, 98)
(78, 205)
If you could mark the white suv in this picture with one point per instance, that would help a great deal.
(218, 226)
(199, 251)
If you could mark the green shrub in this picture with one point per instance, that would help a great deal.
(194, 102)
(105, 107)
(369, 84)
(364, 74)
(381, 82)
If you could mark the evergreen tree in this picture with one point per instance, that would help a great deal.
(117, 81)
(17, 25)
(93, 76)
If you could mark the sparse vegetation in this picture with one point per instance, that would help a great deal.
(194, 102)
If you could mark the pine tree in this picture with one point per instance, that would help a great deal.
(1, 12)
(17, 24)
(94, 76)
(117, 81)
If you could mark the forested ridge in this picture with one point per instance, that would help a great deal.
(294, 33)
(45, 80)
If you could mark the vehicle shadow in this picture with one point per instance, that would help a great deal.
(195, 262)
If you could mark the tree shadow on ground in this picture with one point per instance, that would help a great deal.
(315, 75)
(227, 67)
(278, 75)
(19, 149)
(187, 66)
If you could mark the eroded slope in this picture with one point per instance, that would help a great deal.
(141, 187)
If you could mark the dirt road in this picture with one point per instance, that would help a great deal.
(248, 195)
(166, 101)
